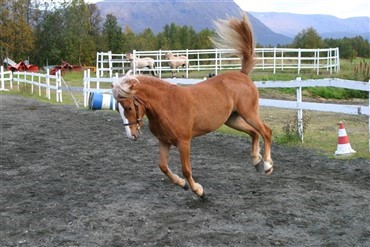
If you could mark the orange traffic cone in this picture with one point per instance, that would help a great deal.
(344, 147)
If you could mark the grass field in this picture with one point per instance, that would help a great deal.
(321, 129)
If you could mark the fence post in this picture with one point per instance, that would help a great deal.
(32, 83)
(110, 57)
(133, 62)
(11, 81)
(59, 88)
(282, 59)
(84, 90)
(317, 60)
(56, 87)
(337, 59)
(2, 75)
(187, 62)
(159, 66)
(48, 83)
(39, 85)
(274, 60)
(299, 111)
(299, 60)
(97, 65)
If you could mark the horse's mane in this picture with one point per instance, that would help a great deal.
(150, 80)
(122, 87)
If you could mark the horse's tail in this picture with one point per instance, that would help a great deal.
(236, 34)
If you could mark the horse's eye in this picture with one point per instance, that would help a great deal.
(130, 108)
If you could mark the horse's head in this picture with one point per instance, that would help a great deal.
(130, 108)
(129, 56)
(168, 55)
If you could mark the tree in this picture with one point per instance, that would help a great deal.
(203, 40)
(361, 46)
(112, 34)
(350, 47)
(16, 36)
(129, 39)
(146, 40)
(79, 43)
(50, 46)
(308, 38)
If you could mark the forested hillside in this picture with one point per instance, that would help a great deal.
(45, 34)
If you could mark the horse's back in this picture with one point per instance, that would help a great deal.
(228, 82)
(214, 100)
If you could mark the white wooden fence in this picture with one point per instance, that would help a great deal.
(102, 85)
(215, 60)
(36, 80)
(298, 104)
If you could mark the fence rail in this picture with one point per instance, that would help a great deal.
(102, 85)
(36, 80)
(216, 60)
(298, 104)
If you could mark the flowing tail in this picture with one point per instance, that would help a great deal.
(236, 34)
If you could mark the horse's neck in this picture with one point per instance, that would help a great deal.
(154, 96)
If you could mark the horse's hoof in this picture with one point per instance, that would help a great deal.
(269, 171)
(203, 197)
(186, 186)
(259, 166)
(267, 167)
(199, 191)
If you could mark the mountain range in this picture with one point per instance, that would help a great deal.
(269, 28)
(327, 26)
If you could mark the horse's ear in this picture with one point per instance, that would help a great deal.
(129, 73)
(132, 82)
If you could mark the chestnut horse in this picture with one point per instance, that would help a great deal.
(176, 114)
(140, 63)
(176, 61)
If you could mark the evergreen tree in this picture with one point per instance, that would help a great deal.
(129, 39)
(146, 41)
(79, 44)
(112, 33)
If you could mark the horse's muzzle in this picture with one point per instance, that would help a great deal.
(135, 136)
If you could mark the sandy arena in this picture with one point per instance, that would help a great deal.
(70, 177)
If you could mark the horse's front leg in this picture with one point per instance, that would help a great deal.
(184, 149)
(173, 72)
(164, 150)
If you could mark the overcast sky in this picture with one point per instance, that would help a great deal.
(338, 8)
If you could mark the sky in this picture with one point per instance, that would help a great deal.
(338, 8)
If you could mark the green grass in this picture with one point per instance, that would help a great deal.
(321, 129)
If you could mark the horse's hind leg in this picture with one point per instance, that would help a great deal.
(152, 67)
(164, 150)
(238, 123)
(266, 134)
(251, 116)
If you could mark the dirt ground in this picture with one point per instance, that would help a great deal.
(70, 177)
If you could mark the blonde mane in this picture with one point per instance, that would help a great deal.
(121, 87)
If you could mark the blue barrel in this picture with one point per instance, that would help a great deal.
(101, 101)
